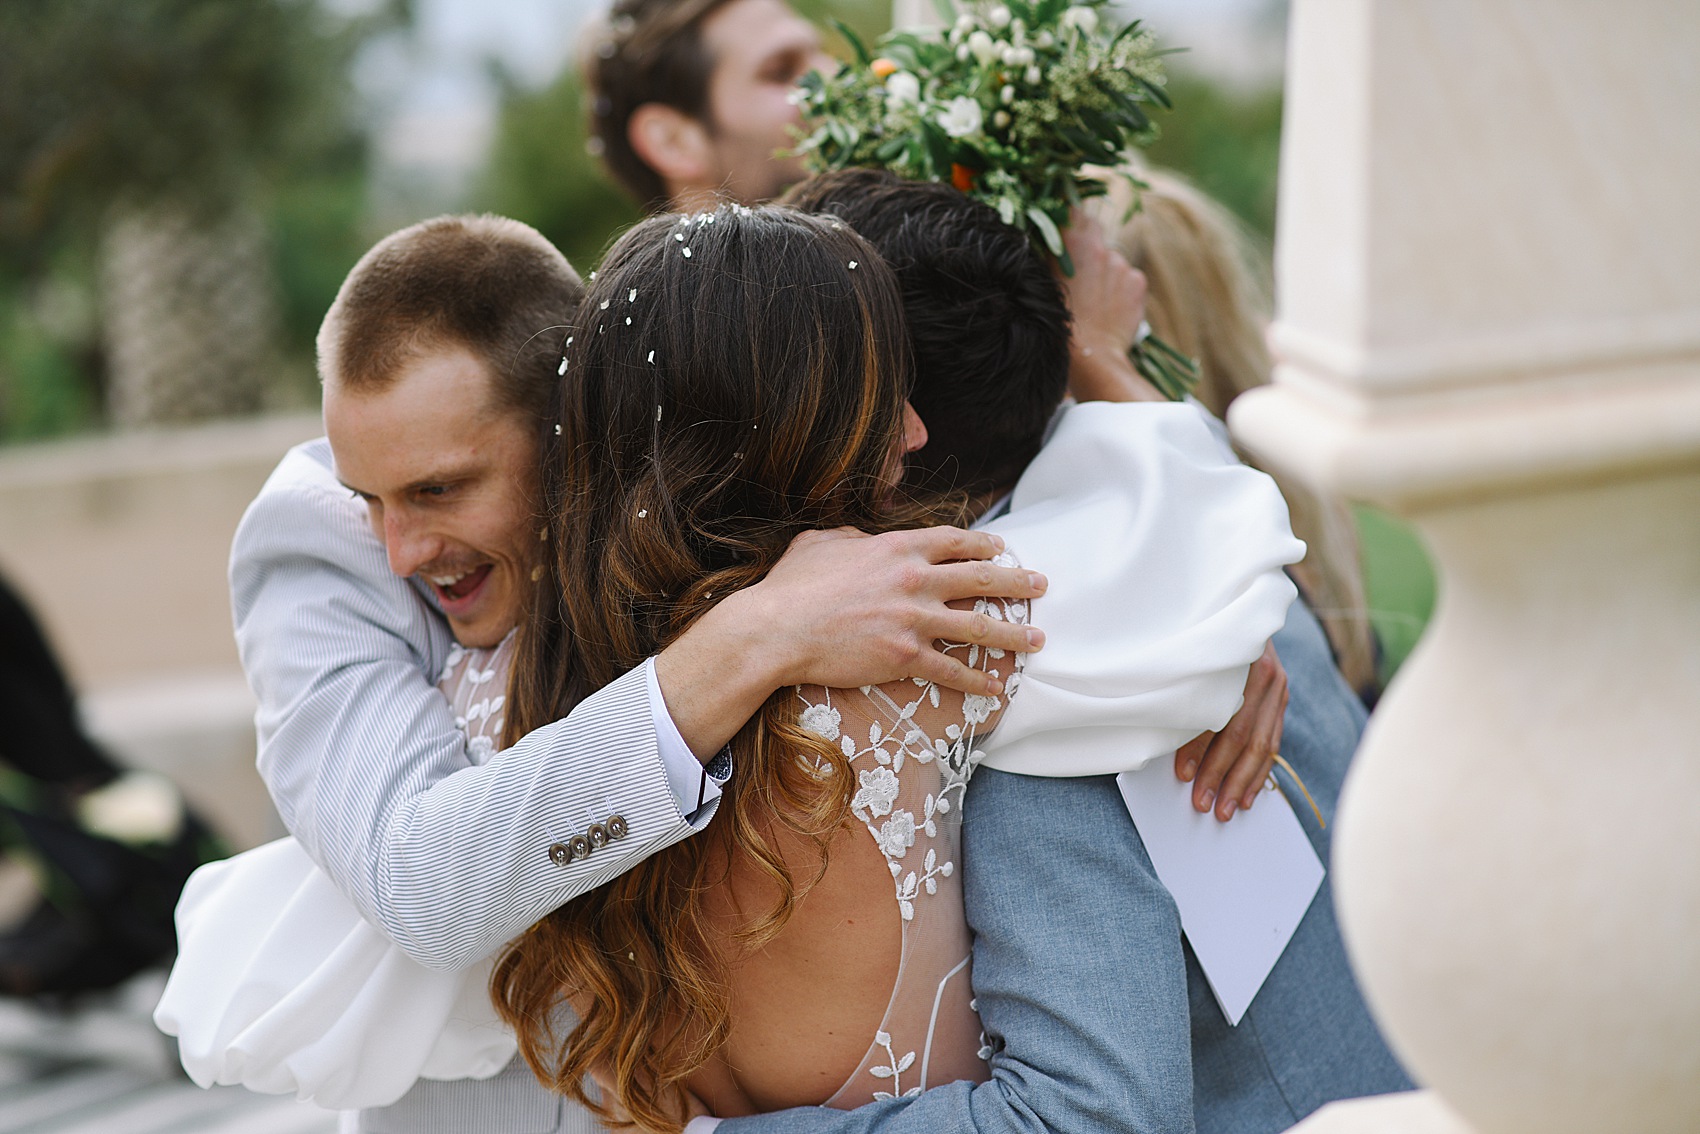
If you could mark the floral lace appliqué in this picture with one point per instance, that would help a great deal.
(913, 748)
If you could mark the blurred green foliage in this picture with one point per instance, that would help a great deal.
(186, 99)
(1227, 141)
(1399, 582)
(540, 172)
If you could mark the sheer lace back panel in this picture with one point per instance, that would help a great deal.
(476, 685)
(913, 747)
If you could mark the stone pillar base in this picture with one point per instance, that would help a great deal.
(1414, 1112)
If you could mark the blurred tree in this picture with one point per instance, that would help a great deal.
(154, 129)
(539, 171)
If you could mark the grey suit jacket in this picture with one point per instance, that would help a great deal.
(369, 771)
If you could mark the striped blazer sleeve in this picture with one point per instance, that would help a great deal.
(362, 756)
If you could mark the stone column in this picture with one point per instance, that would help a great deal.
(1488, 261)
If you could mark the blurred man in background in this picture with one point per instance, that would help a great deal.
(692, 100)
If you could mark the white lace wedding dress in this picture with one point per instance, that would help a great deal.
(282, 987)
(475, 681)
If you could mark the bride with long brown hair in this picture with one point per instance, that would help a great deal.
(736, 378)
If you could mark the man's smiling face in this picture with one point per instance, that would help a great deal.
(449, 478)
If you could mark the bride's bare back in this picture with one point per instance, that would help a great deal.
(865, 994)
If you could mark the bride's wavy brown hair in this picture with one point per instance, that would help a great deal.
(733, 379)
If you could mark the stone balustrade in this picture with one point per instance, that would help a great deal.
(1489, 321)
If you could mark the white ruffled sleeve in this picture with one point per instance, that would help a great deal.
(1165, 561)
(281, 986)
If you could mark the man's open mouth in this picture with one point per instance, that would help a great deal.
(454, 588)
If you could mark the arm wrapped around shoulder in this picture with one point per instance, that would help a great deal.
(1165, 559)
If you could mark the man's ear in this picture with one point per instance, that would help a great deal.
(673, 144)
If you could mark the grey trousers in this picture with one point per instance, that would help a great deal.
(510, 1102)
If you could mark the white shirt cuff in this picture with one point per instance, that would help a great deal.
(701, 1124)
(692, 786)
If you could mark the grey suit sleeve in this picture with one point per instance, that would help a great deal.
(369, 771)
(1079, 975)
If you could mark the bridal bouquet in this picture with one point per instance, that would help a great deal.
(1007, 105)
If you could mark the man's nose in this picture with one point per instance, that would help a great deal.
(409, 547)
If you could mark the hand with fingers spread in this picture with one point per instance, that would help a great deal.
(844, 609)
(1227, 769)
(868, 609)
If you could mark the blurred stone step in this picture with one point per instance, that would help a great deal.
(90, 1100)
(102, 1068)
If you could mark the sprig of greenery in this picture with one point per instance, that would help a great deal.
(1007, 105)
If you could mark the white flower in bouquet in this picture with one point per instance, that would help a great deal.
(1080, 18)
(903, 88)
(962, 117)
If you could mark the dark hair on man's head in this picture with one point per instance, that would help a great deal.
(490, 285)
(644, 51)
(988, 323)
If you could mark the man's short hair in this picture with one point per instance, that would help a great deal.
(988, 322)
(493, 286)
(645, 51)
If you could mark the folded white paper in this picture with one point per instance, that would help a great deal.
(1242, 886)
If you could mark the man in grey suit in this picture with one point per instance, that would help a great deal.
(366, 555)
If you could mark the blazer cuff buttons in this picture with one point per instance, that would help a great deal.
(583, 846)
